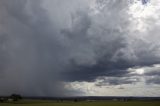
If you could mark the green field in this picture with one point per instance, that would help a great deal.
(84, 103)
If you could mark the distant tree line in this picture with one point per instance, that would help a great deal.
(12, 97)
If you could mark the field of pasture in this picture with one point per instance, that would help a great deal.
(80, 103)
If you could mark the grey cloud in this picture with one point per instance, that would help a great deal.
(153, 80)
(145, 1)
(150, 74)
(31, 48)
(107, 81)
(41, 46)
(111, 47)
(97, 43)
(153, 72)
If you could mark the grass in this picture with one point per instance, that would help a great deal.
(83, 103)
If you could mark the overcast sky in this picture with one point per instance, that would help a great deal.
(80, 47)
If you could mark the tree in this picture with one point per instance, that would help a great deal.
(1, 99)
(15, 97)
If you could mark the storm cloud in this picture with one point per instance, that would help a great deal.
(44, 43)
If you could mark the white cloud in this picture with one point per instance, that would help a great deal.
(135, 84)
(139, 89)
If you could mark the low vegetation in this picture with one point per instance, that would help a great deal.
(80, 103)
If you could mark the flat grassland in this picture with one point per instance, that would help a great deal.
(82, 103)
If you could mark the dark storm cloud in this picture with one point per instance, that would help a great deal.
(103, 48)
(100, 69)
(94, 46)
(40, 45)
(30, 52)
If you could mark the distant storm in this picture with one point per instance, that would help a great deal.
(80, 47)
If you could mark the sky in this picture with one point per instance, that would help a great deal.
(80, 47)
